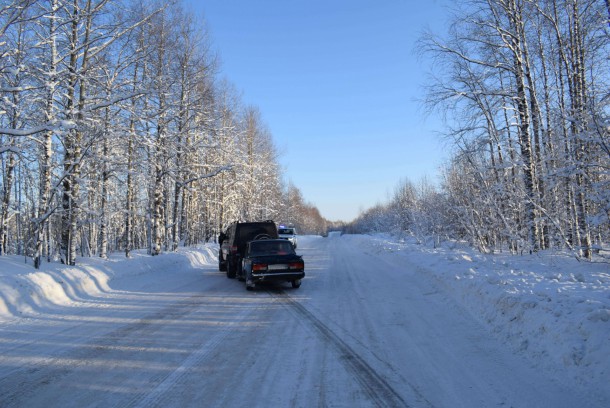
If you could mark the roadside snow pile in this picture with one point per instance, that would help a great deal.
(548, 306)
(25, 291)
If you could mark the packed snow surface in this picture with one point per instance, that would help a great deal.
(378, 321)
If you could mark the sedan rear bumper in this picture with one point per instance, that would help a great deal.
(277, 276)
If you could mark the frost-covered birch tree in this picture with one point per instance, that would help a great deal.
(523, 84)
(116, 134)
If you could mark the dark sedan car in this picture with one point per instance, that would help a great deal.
(271, 260)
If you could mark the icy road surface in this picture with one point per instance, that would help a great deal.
(363, 330)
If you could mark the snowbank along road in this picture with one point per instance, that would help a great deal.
(364, 330)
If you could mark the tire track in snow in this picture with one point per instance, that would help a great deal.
(376, 387)
(154, 397)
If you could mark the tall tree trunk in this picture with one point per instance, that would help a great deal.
(10, 165)
(73, 155)
(516, 19)
(579, 102)
(178, 187)
(183, 230)
(6, 201)
(536, 130)
(129, 192)
(8, 176)
(104, 197)
(158, 201)
(159, 209)
(44, 196)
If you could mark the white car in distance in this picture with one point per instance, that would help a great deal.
(289, 233)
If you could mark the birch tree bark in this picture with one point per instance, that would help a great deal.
(44, 199)
(525, 142)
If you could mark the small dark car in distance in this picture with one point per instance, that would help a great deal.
(271, 260)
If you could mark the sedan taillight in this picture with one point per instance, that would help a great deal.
(296, 265)
(259, 267)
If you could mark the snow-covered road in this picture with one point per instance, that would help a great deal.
(364, 330)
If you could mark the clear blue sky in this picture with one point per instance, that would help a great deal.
(337, 83)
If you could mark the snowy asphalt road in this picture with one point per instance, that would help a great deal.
(363, 330)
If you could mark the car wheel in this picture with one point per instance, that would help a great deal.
(296, 283)
(230, 269)
(222, 266)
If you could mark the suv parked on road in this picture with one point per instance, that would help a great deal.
(289, 233)
(233, 243)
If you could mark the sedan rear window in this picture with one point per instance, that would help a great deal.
(270, 248)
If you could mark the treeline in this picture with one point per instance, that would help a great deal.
(304, 216)
(525, 88)
(116, 133)
(418, 210)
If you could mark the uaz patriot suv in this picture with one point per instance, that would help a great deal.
(233, 243)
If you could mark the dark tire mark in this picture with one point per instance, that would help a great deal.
(376, 387)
